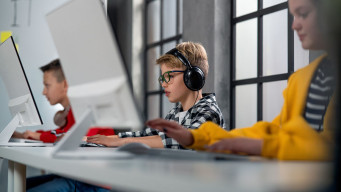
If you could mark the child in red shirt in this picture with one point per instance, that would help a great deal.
(55, 91)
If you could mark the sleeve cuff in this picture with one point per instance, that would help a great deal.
(270, 147)
(199, 140)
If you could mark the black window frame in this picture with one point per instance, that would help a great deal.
(260, 79)
(177, 38)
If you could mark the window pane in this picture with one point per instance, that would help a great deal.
(166, 105)
(275, 43)
(180, 16)
(153, 106)
(246, 105)
(153, 69)
(246, 49)
(273, 99)
(153, 22)
(168, 46)
(301, 56)
(169, 19)
(245, 6)
(269, 3)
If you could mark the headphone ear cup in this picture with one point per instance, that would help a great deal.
(60, 118)
(194, 79)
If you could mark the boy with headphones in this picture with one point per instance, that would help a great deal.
(184, 70)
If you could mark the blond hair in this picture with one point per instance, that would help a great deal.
(194, 52)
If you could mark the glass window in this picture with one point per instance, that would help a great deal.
(180, 16)
(168, 46)
(153, 23)
(153, 69)
(245, 7)
(301, 56)
(273, 99)
(171, 27)
(246, 49)
(153, 106)
(246, 105)
(275, 43)
(169, 19)
(269, 3)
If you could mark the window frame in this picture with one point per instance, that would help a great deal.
(260, 79)
(177, 38)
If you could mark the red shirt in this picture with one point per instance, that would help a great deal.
(50, 136)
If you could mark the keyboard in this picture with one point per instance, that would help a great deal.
(19, 140)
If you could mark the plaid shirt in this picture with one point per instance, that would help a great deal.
(206, 109)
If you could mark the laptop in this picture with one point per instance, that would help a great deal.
(6, 140)
(69, 146)
(20, 140)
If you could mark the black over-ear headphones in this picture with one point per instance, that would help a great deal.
(194, 77)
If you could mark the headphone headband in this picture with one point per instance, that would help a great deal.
(180, 56)
(194, 77)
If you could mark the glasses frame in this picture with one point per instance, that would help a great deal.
(162, 78)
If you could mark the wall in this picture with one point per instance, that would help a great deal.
(207, 22)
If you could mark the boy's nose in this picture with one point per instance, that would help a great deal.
(164, 84)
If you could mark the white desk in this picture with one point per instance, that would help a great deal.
(145, 173)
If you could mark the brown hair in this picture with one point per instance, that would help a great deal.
(194, 52)
(56, 68)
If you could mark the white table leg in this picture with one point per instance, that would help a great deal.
(16, 177)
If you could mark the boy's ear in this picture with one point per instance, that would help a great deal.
(66, 85)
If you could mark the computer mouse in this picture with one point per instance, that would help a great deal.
(134, 148)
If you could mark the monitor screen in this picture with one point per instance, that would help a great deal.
(21, 103)
(92, 63)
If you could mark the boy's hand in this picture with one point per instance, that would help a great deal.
(110, 141)
(238, 145)
(31, 135)
(17, 134)
(172, 129)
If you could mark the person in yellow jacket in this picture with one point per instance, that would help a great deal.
(303, 129)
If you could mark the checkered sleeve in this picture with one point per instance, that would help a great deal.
(147, 132)
(207, 113)
(168, 142)
(201, 113)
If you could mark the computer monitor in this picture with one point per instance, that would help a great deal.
(99, 91)
(21, 102)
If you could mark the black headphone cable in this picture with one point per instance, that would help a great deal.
(196, 99)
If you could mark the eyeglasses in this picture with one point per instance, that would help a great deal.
(167, 77)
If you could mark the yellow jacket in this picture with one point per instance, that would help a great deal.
(288, 136)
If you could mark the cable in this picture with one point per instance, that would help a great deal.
(196, 99)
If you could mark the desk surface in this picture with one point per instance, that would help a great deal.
(152, 173)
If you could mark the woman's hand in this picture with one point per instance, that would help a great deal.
(238, 145)
(172, 129)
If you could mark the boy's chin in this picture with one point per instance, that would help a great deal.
(53, 103)
(172, 100)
